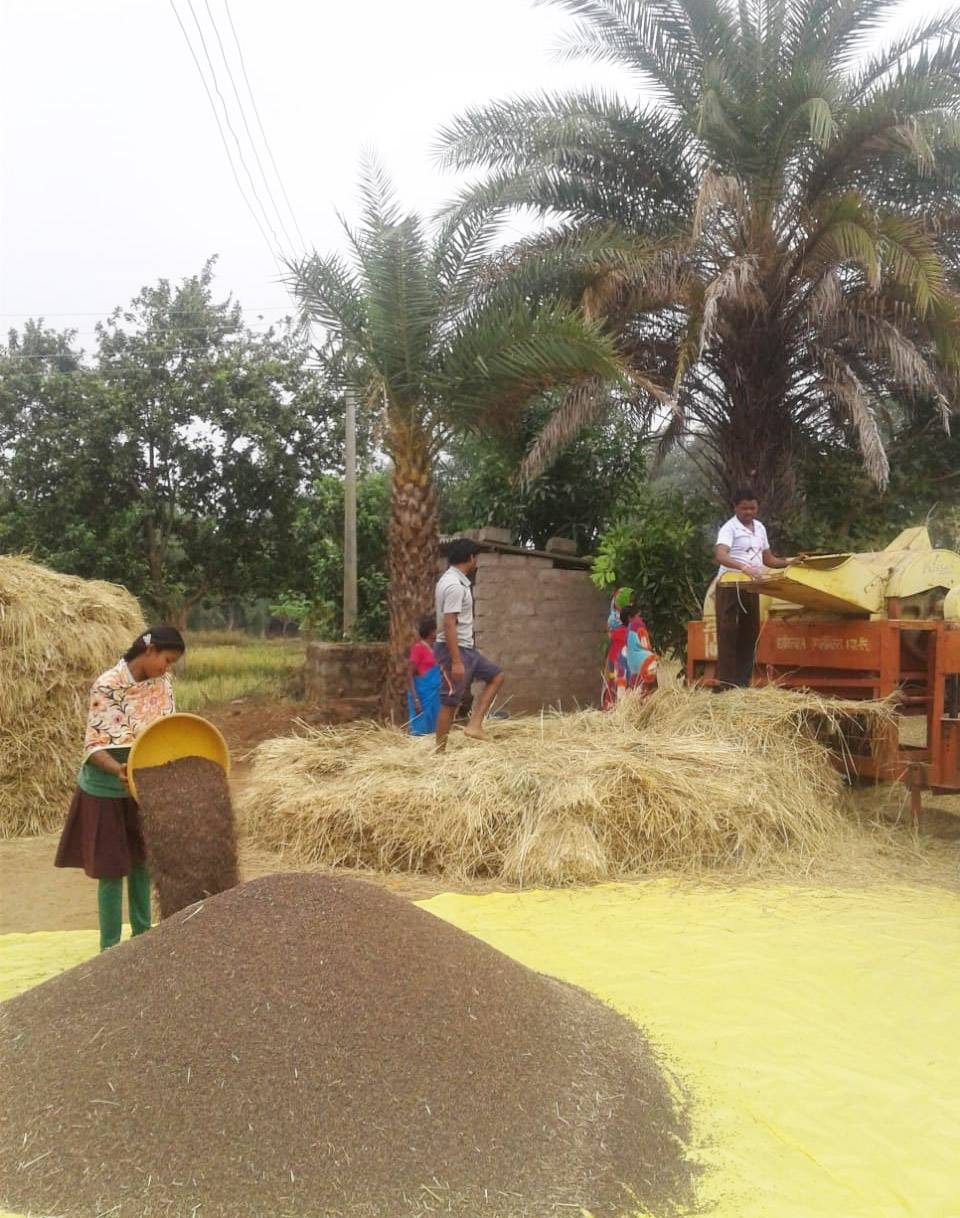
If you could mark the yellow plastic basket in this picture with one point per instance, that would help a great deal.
(173, 737)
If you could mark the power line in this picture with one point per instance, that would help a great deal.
(223, 138)
(151, 348)
(246, 126)
(170, 312)
(256, 111)
(270, 326)
(230, 127)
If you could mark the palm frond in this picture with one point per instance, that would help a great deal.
(825, 298)
(584, 153)
(846, 231)
(652, 39)
(380, 208)
(840, 382)
(497, 359)
(606, 269)
(884, 342)
(911, 258)
(717, 119)
(511, 134)
(584, 404)
(466, 240)
(871, 74)
(823, 126)
(834, 30)
(888, 126)
(330, 295)
(668, 439)
(717, 190)
(737, 283)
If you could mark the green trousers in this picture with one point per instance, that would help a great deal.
(110, 905)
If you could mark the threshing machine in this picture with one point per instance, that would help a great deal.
(864, 626)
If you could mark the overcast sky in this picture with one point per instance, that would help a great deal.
(113, 171)
(114, 174)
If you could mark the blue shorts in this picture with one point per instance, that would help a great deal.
(476, 667)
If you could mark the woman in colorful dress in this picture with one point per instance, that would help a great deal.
(102, 834)
(631, 663)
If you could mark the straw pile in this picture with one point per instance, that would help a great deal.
(57, 634)
(683, 781)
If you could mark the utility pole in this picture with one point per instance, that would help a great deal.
(350, 516)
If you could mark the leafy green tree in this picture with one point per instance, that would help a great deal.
(431, 352)
(172, 464)
(773, 237)
(63, 487)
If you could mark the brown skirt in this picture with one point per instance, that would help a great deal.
(102, 836)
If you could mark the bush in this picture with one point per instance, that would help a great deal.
(660, 547)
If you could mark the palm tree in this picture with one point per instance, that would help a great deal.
(774, 235)
(433, 349)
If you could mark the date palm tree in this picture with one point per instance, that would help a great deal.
(434, 348)
(780, 208)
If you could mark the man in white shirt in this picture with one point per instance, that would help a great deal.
(742, 545)
(459, 661)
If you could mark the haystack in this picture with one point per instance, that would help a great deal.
(57, 634)
(683, 781)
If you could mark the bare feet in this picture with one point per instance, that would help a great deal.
(475, 733)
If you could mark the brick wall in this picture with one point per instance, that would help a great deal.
(344, 672)
(544, 626)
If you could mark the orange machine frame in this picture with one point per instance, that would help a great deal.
(859, 658)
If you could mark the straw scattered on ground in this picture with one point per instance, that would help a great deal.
(57, 634)
(685, 781)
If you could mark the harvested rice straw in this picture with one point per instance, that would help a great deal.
(683, 781)
(57, 634)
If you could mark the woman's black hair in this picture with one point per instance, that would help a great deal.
(626, 613)
(427, 625)
(164, 638)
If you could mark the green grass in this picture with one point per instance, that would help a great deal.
(222, 667)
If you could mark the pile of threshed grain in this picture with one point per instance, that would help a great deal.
(304, 1045)
(188, 829)
(683, 781)
(57, 634)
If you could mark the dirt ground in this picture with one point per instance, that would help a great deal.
(34, 895)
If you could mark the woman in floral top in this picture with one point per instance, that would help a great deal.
(102, 834)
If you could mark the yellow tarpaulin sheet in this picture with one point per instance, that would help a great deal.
(817, 1030)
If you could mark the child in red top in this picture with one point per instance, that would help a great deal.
(423, 681)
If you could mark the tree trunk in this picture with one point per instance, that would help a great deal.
(755, 436)
(767, 465)
(175, 610)
(411, 555)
